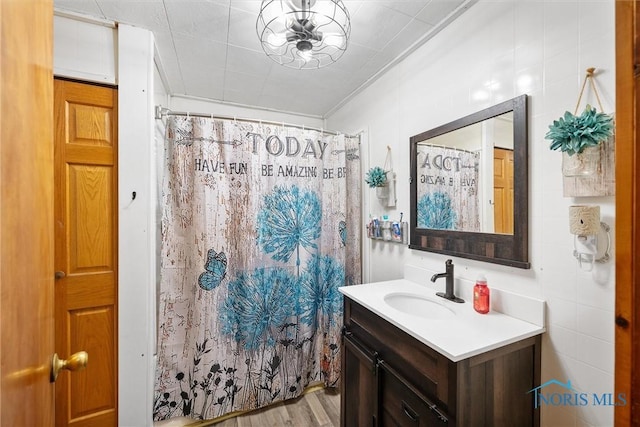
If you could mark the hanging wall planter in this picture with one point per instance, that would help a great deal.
(581, 137)
(377, 178)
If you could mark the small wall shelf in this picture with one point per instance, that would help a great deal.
(388, 231)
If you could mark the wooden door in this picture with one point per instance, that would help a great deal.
(627, 330)
(358, 404)
(26, 212)
(503, 190)
(86, 250)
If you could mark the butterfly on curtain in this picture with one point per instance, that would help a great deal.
(216, 269)
(342, 229)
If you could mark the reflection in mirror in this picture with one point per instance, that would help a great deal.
(469, 186)
(465, 178)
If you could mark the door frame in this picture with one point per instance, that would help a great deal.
(627, 321)
(133, 56)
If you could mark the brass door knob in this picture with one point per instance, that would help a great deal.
(76, 362)
(59, 275)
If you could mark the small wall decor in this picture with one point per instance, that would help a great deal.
(377, 178)
(586, 143)
(384, 181)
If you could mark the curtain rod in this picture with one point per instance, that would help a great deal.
(419, 143)
(163, 112)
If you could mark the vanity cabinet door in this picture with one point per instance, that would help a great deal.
(359, 400)
(432, 374)
(401, 405)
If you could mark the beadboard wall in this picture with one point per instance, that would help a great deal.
(493, 52)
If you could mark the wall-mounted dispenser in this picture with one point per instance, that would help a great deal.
(585, 225)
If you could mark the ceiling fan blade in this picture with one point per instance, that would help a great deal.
(293, 36)
(303, 29)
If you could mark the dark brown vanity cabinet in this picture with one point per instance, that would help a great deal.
(391, 379)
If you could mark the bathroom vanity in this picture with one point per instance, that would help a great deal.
(409, 359)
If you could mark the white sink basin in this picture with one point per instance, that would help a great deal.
(417, 305)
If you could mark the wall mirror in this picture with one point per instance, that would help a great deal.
(469, 186)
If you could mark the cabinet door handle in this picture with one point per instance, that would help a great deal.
(413, 416)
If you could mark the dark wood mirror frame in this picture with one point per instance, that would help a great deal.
(512, 250)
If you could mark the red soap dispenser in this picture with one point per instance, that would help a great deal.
(481, 295)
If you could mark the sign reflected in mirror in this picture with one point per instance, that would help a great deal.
(469, 188)
(465, 178)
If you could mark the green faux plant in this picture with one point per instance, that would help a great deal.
(376, 177)
(572, 134)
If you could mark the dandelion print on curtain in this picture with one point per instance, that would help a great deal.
(448, 181)
(260, 226)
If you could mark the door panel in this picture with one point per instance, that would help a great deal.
(86, 251)
(26, 213)
(90, 242)
(93, 330)
(503, 190)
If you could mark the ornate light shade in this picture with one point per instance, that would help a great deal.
(304, 34)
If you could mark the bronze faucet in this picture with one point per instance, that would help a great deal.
(448, 274)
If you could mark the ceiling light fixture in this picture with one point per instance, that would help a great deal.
(304, 34)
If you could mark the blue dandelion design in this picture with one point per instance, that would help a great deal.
(289, 220)
(435, 211)
(282, 322)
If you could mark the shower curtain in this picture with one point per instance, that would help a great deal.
(260, 226)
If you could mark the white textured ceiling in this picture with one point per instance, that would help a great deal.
(210, 49)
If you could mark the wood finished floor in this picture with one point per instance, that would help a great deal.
(320, 408)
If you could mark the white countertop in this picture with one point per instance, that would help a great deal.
(465, 334)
